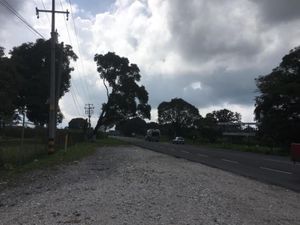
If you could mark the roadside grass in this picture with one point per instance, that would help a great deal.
(43, 161)
(16, 154)
(105, 142)
(235, 147)
(164, 138)
(245, 148)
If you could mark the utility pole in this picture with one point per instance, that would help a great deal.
(58, 79)
(89, 110)
(52, 101)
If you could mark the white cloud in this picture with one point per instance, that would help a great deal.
(207, 52)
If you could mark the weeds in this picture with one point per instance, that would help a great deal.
(13, 157)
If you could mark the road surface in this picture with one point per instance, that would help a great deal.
(269, 169)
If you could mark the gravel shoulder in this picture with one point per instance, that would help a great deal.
(130, 185)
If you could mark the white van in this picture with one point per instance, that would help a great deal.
(152, 135)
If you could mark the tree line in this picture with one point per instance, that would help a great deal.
(25, 85)
(25, 77)
(177, 118)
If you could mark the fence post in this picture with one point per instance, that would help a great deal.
(66, 142)
(23, 130)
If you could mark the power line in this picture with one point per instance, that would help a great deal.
(20, 17)
(76, 64)
(75, 104)
(35, 2)
(76, 37)
(45, 9)
(75, 93)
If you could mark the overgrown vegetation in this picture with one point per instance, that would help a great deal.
(243, 144)
(41, 161)
(15, 150)
(248, 148)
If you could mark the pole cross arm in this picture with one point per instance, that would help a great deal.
(50, 11)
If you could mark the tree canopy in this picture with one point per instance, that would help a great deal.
(224, 120)
(9, 83)
(78, 123)
(224, 116)
(135, 125)
(177, 113)
(32, 63)
(125, 98)
(277, 108)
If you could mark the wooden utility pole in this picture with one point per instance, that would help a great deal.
(52, 101)
(89, 110)
(58, 78)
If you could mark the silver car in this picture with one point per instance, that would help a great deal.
(178, 140)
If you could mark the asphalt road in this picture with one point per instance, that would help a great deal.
(274, 170)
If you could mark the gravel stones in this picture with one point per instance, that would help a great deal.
(130, 185)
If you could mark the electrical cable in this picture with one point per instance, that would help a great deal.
(76, 64)
(46, 13)
(75, 104)
(79, 52)
(20, 17)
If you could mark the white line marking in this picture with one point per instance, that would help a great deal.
(184, 151)
(230, 161)
(274, 170)
(202, 155)
(279, 161)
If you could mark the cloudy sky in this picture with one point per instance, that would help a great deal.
(207, 52)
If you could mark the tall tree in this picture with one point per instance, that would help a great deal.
(224, 120)
(224, 116)
(125, 98)
(9, 83)
(277, 108)
(32, 62)
(1, 52)
(135, 125)
(208, 128)
(178, 113)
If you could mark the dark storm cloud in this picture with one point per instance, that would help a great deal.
(8, 23)
(230, 35)
(215, 31)
(233, 88)
(15, 4)
(203, 30)
(278, 11)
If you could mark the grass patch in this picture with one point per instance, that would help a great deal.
(73, 153)
(164, 139)
(110, 142)
(15, 154)
(250, 148)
